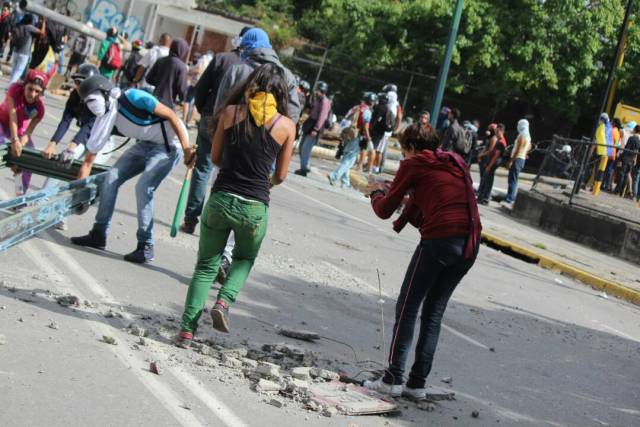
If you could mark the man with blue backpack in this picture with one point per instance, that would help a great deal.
(134, 114)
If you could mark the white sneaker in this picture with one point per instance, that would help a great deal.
(414, 393)
(384, 388)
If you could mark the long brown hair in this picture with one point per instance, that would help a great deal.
(268, 78)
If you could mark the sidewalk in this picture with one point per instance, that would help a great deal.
(613, 276)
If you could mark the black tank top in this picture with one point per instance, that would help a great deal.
(247, 162)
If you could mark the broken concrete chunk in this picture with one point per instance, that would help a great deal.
(438, 393)
(301, 373)
(426, 406)
(266, 386)
(268, 370)
(207, 362)
(237, 353)
(447, 380)
(68, 300)
(475, 414)
(142, 341)
(112, 314)
(138, 331)
(53, 325)
(299, 334)
(154, 367)
(325, 374)
(297, 386)
(109, 340)
(231, 362)
(330, 411)
(250, 363)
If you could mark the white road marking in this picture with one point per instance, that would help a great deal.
(160, 390)
(463, 336)
(221, 410)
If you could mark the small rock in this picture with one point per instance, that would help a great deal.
(426, 406)
(154, 367)
(301, 373)
(330, 412)
(207, 362)
(266, 386)
(3, 307)
(475, 414)
(53, 325)
(36, 277)
(3, 339)
(447, 380)
(249, 363)
(68, 300)
(325, 374)
(231, 362)
(237, 353)
(20, 319)
(112, 314)
(142, 341)
(275, 402)
(297, 386)
(109, 340)
(268, 370)
(138, 331)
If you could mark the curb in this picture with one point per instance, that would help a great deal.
(611, 287)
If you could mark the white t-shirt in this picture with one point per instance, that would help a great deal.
(148, 61)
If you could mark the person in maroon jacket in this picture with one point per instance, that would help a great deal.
(442, 205)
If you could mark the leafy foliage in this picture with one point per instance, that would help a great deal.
(550, 57)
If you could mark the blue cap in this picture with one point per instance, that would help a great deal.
(255, 38)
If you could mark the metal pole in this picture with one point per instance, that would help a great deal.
(324, 59)
(619, 63)
(196, 29)
(444, 70)
(612, 69)
(406, 95)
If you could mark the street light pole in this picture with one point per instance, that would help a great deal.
(444, 69)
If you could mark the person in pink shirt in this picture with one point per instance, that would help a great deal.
(20, 113)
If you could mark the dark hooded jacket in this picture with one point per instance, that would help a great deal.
(208, 84)
(441, 204)
(169, 74)
(239, 73)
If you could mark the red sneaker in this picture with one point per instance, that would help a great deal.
(184, 339)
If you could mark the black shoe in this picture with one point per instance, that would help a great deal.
(188, 227)
(301, 172)
(223, 273)
(94, 240)
(220, 316)
(142, 254)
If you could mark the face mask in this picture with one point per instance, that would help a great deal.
(96, 104)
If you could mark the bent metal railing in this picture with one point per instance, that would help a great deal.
(25, 216)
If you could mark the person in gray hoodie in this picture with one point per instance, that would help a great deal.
(256, 50)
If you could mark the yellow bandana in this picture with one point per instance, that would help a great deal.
(263, 107)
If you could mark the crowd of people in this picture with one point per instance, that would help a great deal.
(250, 107)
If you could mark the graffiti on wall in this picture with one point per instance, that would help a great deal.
(105, 14)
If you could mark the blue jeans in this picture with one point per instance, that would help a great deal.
(306, 147)
(201, 173)
(18, 66)
(154, 163)
(436, 268)
(636, 183)
(349, 157)
(514, 172)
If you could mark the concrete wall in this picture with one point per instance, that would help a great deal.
(608, 235)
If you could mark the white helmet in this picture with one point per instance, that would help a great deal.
(566, 149)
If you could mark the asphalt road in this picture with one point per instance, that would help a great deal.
(522, 345)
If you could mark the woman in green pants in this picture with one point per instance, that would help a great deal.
(251, 133)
